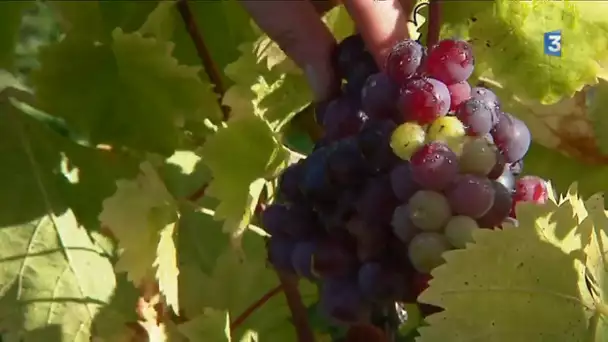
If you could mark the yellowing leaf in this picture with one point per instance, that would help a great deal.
(508, 38)
(239, 157)
(501, 287)
(142, 215)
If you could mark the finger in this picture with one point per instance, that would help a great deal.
(382, 23)
(298, 30)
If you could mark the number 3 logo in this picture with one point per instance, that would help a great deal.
(553, 43)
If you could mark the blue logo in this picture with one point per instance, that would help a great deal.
(553, 43)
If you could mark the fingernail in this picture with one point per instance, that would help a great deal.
(315, 82)
(323, 81)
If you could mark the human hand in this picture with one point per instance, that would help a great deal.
(297, 28)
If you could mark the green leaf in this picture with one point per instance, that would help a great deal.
(518, 274)
(239, 157)
(211, 325)
(141, 215)
(215, 275)
(133, 85)
(51, 269)
(11, 13)
(508, 39)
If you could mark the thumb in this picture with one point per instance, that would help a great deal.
(297, 28)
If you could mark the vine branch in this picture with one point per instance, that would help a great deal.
(254, 306)
(434, 23)
(203, 53)
(299, 315)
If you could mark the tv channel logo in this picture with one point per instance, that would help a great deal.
(553, 43)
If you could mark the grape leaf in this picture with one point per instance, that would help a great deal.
(215, 275)
(508, 33)
(239, 157)
(519, 272)
(141, 215)
(267, 82)
(132, 84)
(597, 97)
(53, 278)
(211, 325)
(11, 13)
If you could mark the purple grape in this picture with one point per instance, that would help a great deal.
(341, 301)
(289, 181)
(295, 221)
(279, 253)
(402, 182)
(346, 164)
(487, 96)
(316, 185)
(332, 259)
(512, 137)
(423, 100)
(434, 166)
(379, 97)
(450, 61)
(404, 60)
(342, 119)
(336, 214)
(358, 75)
(377, 201)
(377, 282)
(348, 53)
(301, 258)
(471, 195)
(503, 202)
(374, 142)
(373, 246)
(477, 116)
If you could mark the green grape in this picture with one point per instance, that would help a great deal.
(478, 157)
(449, 130)
(426, 249)
(429, 210)
(459, 230)
(406, 139)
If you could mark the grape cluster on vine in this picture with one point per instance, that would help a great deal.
(413, 160)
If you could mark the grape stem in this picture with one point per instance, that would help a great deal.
(254, 306)
(203, 53)
(434, 24)
(299, 314)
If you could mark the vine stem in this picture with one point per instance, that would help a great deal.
(434, 24)
(298, 311)
(254, 306)
(203, 53)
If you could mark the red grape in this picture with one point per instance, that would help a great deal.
(450, 61)
(423, 100)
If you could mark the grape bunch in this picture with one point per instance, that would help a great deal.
(412, 161)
